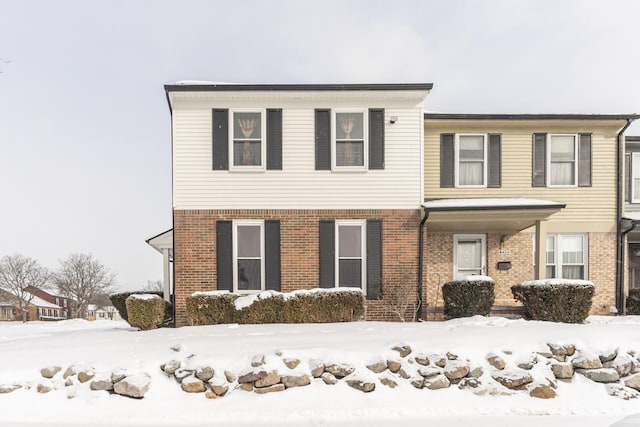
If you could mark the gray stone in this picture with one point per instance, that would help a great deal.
(177, 348)
(422, 359)
(220, 390)
(608, 354)
(512, 379)
(586, 360)
(252, 376)
(403, 349)
(542, 391)
(469, 383)
(561, 349)
(84, 376)
(417, 382)
(258, 360)
(182, 373)
(329, 379)
(622, 392)
(456, 369)
(8, 388)
(204, 373)
(438, 360)
(295, 380)
(270, 379)
(291, 363)
(545, 354)
(246, 386)
(476, 372)
(404, 374)
(394, 365)
(339, 370)
(452, 356)
(170, 367)
(192, 384)
(362, 385)
(623, 364)
(496, 361)
(70, 371)
(429, 371)
(230, 376)
(270, 389)
(68, 382)
(562, 370)
(316, 367)
(528, 363)
(133, 385)
(118, 375)
(50, 371)
(600, 375)
(437, 382)
(44, 388)
(389, 382)
(377, 365)
(633, 382)
(102, 384)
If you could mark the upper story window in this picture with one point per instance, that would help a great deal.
(247, 140)
(349, 136)
(563, 158)
(471, 160)
(635, 178)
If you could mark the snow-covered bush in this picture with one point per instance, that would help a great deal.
(265, 307)
(324, 305)
(633, 302)
(118, 301)
(473, 295)
(145, 311)
(555, 300)
(211, 308)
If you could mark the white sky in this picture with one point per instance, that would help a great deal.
(84, 124)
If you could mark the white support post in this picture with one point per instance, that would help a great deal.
(541, 250)
(166, 287)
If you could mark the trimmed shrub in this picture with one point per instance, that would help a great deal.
(119, 301)
(211, 309)
(267, 307)
(470, 297)
(555, 300)
(633, 302)
(323, 306)
(145, 311)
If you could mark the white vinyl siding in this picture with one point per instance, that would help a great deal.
(298, 185)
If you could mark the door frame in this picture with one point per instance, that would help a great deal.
(483, 255)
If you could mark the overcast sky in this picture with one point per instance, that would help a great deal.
(85, 160)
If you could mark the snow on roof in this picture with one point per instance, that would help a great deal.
(39, 302)
(203, 82)
(484, 203)
(634, 216)
(565, 282)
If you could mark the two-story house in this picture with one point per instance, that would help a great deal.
(523, 196)
(285, 187)
(64, 303)
(631, 216)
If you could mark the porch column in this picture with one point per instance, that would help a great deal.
(541, 250)
(166, 288)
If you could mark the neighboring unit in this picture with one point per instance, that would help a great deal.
(36, 308)
(631, 217)
(63, 302)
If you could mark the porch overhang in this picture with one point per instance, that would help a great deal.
(162, 241)
(499, 215)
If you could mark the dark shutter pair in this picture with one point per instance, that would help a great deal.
(323, 139)
(448, 158)
(539, 156)
(220, 138)
(224, 255)
(327, 252)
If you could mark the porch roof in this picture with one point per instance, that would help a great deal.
(488, 214)
(162, 241)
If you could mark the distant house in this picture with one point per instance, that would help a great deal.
(37, 309)
(64, 303)
(96, 312)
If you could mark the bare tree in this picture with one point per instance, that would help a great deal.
(153, 286)
(17, 273)
(82, 278)
(402, 300)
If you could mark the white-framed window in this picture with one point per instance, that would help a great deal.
(562, 158)
(247, 139)
(635, 177)
(469, 255)
(349, 130)
(248, 256)
(567, 256)
(471, 160)
(351, 254)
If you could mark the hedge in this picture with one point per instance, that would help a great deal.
(145, 311)
(119, 302)
(555, 300)
(308, 306)
(633, 302)
(469, 297)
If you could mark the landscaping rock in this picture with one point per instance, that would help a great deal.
(252, 376)
(316, 367)
(270, 389)
(601, 375)
(103, 384)
(204, 373)
(339, 370)
(527, 363)
(290, 381)
(622, 364)
(622, 392)
(362, 385)
(291, 363)
(512, 378)
(586, 359)
(608, 355)
(192, 384)
(70, 371)
(182, 373)
(422, 359)
(211, 395)
(451, 356)
(270, 379)
(118, 375)
(84, 376)
(258, 360)
(218, 386)
(417, 381)
(561, 349)
(133, 385)
(469, 383)
(562, 370)
(496, 361)
(429, 371)
(44, 388)
(438, 360)
(394, 365)
(386, 381)
(50, 371)
(329, 379)
(437, 382)
(230, 376)
(377, 365)
(542, 391)
(170, 367)
(8, 388)
(177, 348)
(633, 382)
(68, 382)
(476, 372)
(246, 386)
(456, 369)
(403, 349)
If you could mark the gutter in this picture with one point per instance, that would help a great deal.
(420, 263)
(619, 233)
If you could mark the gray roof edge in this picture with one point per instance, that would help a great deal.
(213, 87)
(461, 116)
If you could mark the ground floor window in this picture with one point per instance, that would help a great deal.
(567, 256)
(248, 255)
(634, 265)
(469, 255)
(351, 253)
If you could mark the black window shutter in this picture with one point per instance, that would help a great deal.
(495, 161)
(323, 139)
(447, 158)
(272, 255)
(274, 139)
(627, 177)
(327, 249)
(539, 167)
(220, 137)
(374, 259)
(224, 255)
(584, 160)
(376, 138)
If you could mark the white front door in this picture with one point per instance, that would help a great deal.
(469, 255)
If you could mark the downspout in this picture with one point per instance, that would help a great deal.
(420, 263)
(619, 233)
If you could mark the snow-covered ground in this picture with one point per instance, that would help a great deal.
(106, 346)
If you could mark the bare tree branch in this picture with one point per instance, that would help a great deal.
(153, 285)
(17, 273)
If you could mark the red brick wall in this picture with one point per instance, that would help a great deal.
(195, 252)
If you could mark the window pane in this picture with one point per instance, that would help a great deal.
(551, 256)
(562, 173)
(350, 272)
(247, 125)
(471, 148)
(563, 148)
(249, 241)
(469, 255)
(247, 153)
(573, 272)
(571, 249)
(349, 126)
(636, 189)
(249, 274)
(349, 241)
(350, 153)
(471, 173)
(551, 271)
